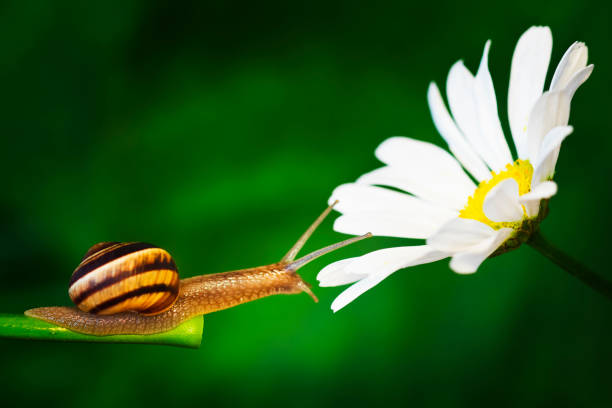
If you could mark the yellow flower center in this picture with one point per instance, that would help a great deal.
(521, 171)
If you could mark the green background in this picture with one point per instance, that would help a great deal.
(217, 130)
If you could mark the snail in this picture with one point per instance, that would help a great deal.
(134, 288)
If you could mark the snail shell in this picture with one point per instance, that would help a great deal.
(117, 277)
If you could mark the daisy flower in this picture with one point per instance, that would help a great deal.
(477, 200)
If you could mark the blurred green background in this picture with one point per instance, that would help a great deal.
(217, 130)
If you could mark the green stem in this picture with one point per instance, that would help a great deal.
(188, 334)
(572, 266)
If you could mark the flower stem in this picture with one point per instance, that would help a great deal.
(572, 266)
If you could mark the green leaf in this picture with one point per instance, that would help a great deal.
(188, 334)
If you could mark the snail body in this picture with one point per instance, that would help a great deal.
(133, 288)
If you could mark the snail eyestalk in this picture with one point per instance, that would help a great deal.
(290, 256)
(295, 265)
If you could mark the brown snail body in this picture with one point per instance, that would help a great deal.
(138, 292)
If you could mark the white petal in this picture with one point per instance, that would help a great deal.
(462, 103)
(453, 137)
(387, 224)
(531, 200)
(578, 79)
(460, 234)
(462, 99)
(528, 73)
(336, 274)
(469, 261)
(358, 198)
(551, 110)
(502, 203)
(423, 169)
(544, 166)
(448, 192)
(377, 265)
(543, 190)
(421, 157)
(488, 117)
(574, 60)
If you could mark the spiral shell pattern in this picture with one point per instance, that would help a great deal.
(117, 277)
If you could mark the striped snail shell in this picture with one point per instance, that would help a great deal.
(116, 277)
